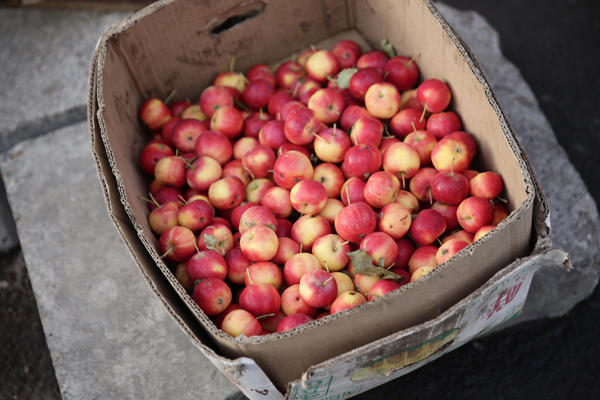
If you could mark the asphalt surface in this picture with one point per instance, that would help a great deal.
(555, 45)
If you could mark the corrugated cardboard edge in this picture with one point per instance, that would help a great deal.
(465, 319)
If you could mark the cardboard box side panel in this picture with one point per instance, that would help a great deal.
(498, 300)
(437, 56)
(210, 33)
(119, 99)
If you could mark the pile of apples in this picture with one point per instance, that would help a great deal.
(285, 196)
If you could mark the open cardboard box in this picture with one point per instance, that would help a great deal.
(182, 45)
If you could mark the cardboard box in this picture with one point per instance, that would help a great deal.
(182, 45)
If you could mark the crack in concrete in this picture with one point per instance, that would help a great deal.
(40, 126)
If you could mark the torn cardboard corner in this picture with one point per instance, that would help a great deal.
(190, 45)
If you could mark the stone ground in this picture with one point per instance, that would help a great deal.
(554, 358)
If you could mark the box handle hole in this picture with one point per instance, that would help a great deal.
(238, 15)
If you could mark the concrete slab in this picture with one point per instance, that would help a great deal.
(108, 336)
(574, 215)
(44, 59)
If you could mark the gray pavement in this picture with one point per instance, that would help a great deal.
(45, 60)
(107, 334)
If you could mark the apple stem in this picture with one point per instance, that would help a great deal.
(429, 195)
(413, 125)
(279, 116)
(295, 91)
(248, 171)
(240, 104)
(260, 112)
(385, 75)
(300, 250)
(412, 59)
(156, 203)
(183, 200)
(334, 128)
(187, 163)
(170, 96)
(232, 64)
(317, 136)
(248, 275)
(313, 48)
(196, 246)
(387, 131)
(423, 114)
(169, 251)
(147, 200)
(327, 280)
(439, 241)
(403, 180)
(354, 138)
(325, 265)
(265, 316)
(344, 243)
(502, 199)
(391, 266)
(452, 166)
(347, 195)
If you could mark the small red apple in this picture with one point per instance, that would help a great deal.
(292, 303)
(170, 170)
(318, 288)
(153, 152)
(154, 114)
(308, 228)
(382, 100)
(212, 295)
(355, 221)
(214, 145)
(203, 172)
(259, 243)
(292, 321)
(206, 264)
(394, 219)
(427, 227)
(331, 145)
(441, 124)
(214, 97)
(434, 95)
(241, 322)
(226, 193)
(406, 121)
(297, 265)
(308, 197)
(331, 177)
(381, 189)
(474, 213)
